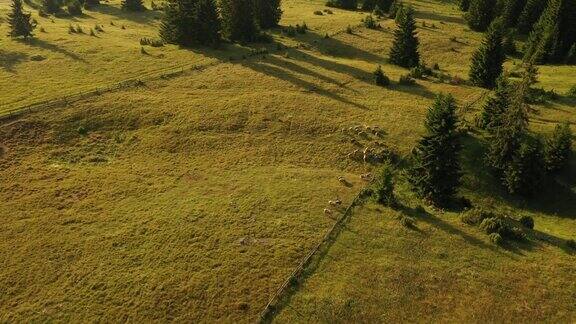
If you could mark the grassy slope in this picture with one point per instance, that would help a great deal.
(193, 198)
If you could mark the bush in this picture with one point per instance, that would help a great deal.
(407, 221)
(496, 238)
(384, 187)
(370, 22)
(151, 42)
(492, 225)
(571, 244)
(527, 222)
(475, 216)
(74, 8)
(572, 92)
(318, 13)
(406, 80)
(380, 78)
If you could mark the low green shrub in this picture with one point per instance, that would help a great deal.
(475, 216)
(380, 78)
(527, 222)
(496, 238)
(406, 80)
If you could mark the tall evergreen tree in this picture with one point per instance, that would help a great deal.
(524, 174)
(554, 33)
(530, 15)
(487, 61)
(20, 23)
(510, 12)
(558, 148)
(345, 4)
(404, 51)
(238, 20)
(133, 5)
(268, 13)
(464, 5)
(435, 174)
(496, 106)
(191, 22)
(480, 14)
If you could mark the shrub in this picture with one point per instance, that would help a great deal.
(384, 188)
(407, 221)
(71, 29)
(380, 78)
(436, 66)
(572, 92)
(496, 238)
(318, 13)
(349, 30)
(82, 130)
(527, 222)
(370, 22)
(92, 33)
(74, 8)
(79, 29)
(406, 80)
(151, 42)
(476, 216)
(571, 244)
(492, 225)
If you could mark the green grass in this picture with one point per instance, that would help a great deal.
(193, 198)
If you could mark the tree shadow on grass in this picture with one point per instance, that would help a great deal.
(35, 42)
(8, 60)
(142, 17)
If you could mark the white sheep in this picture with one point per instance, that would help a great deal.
(327, 211)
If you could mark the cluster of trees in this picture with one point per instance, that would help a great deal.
(550, 24)
(74, 7)
(204, 22)
(520, 159)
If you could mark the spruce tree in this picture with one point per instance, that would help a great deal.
(238, 20)
(435, 173)
(510, 11)
(368, 5)
(487, 61)
(190, 23)
(524, 174)
(558, 148)
(133, 5)
(554, 33)
(480, 14)
(404, 51)
(530, 15)
(20, 23)
(512, 130)
(268, 13)
(496, 106)
(464, 5)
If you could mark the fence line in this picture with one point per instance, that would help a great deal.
(275, 303)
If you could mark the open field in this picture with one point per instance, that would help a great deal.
(192, 198)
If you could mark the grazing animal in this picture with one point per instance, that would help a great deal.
(335, 203)
(342, 180)
(353, 154)
(366, 176)
(327, 211)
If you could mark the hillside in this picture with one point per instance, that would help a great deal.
(192, 196)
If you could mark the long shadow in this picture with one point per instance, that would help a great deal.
(142, 17)
(434, 16)
(432, 220)
(299, 69)
(35, 42)
(334, 66)
(8, 60)
(271, 70)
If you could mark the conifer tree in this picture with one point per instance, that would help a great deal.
(524, 174)
(558, 148)
(268, 13)
(554, 33)
(530, 15)
(404, 51)
(487, 61)
(435, 174)
(238, 20)
(510, 12)
(464, 5)
(19, 22)
(133, 5)
(370, 5)
(512, 130)
(496, 106)
(190, 23)
(345, 4)
(480, 14)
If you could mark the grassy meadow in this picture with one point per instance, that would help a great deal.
(192, 198)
